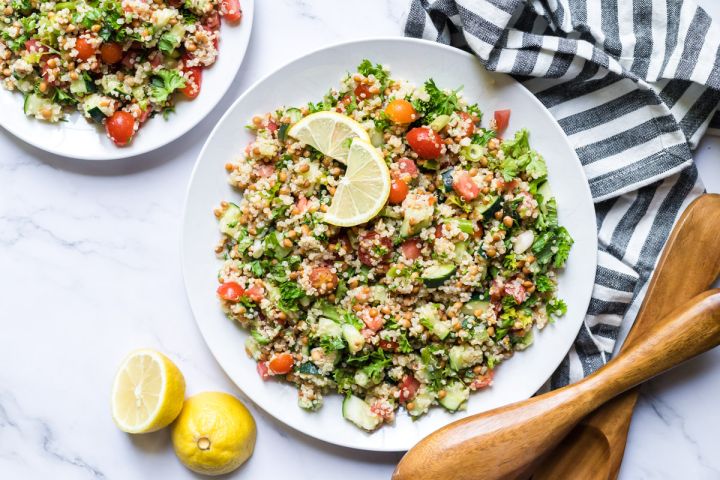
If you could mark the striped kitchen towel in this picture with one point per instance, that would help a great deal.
(634, 84)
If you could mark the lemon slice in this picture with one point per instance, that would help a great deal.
(148, 392)
(329, 132)
(364, 189)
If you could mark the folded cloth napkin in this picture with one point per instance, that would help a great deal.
(634, 84)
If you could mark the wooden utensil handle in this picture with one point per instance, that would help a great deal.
(686, 332)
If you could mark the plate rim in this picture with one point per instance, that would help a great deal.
(120, 153)
(221, 120)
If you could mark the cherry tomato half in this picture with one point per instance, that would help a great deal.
(410, 248)
(398, 191)
(193, 81)
(120, 127)
(33, 46)
(111, 53)
(281, 364)
(262, 369)
(84, 48)
(425, 142)
(231, 10)
(466, 187)
(401, 111)
(502, 118)
(230, 291)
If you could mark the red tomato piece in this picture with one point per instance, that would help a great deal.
(230, 291)
(466, 187)
(438, 231)
(502, 118)
(408, 167)
(281, 364)
(212, 21)
(120, 127)
(193, 81)
(255, 293)
(111, 53)
(468, 124)
(408, 388)
(410, 248)
(362, 92)
(33, 46)
(388, 345)
(144, 116)
(301, 203)
(231, 10)
(264, 170)
(84, 48)
(398, 191)
(373, 323)
(516, 290)
(425, 142)
(374, 249)
(483, 380)
(262, 369)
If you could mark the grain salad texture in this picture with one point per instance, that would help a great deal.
(419, 305)
(118, 62)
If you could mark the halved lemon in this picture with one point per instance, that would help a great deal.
(148, 392)
(329, 132)
(364, 189)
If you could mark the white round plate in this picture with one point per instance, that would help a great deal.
(307, 79)
(80, 138)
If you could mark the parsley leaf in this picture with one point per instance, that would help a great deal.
(439, 103)
(544, 284)
(556, 307)
(290, 294)
(164, 83)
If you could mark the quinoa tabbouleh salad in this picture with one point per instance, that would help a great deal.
(118, 62)
(418, 303)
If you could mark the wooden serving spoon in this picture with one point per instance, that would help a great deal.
(689, 264)
(503, 443)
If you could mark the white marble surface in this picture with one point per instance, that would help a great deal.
(89, 269)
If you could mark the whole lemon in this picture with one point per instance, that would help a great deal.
(214, 433)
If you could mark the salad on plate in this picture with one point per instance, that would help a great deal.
(118, 62)
(390, 244)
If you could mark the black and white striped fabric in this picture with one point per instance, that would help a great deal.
(634, 85)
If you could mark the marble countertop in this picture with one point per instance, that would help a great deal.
(89, 262)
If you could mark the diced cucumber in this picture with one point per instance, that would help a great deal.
(95, 105)
(376, 138)
(447, 179)
(252, 347)
(34, 104)
(378, 293)
(230, 221)
(435, 275)
(78, 86)
(416, 218)
(474, 305)
(464, 357)
(274, 243)
(493, 204)
(294, 114)
(430, 317)
(388, 212)
(545, 191)
(464, 225)
(456, 393)
(428, 165)
(421, 403)
(328, 328)
(460, 251)
(358, 412)
(353, 337)
(96, 114)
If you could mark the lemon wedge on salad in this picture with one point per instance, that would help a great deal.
(148, 392)
(329, 132)
(364, 189)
